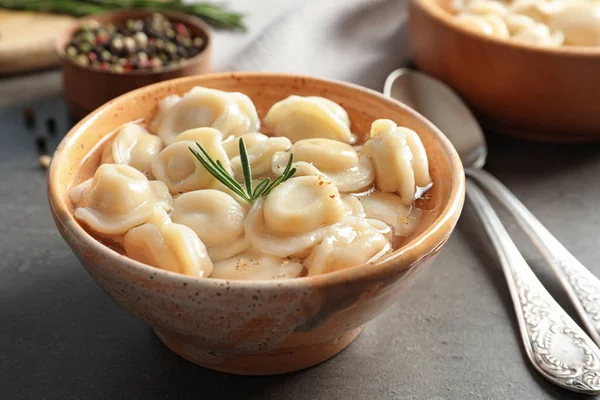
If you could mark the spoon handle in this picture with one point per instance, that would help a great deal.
(557, 347)
(582, 287)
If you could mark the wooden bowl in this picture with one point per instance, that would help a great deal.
(86, 89)
(549, 94)
(265, 326)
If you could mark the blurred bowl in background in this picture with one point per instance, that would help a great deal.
(86, 89)
(547, 94)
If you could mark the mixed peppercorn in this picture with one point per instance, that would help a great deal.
(150, 43)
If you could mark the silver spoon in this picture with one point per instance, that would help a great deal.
(555, 344)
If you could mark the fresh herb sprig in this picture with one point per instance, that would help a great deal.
(215, 14)
(216, 169)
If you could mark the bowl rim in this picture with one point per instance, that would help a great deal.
(437, 12)
(427, 242)
(61, 43)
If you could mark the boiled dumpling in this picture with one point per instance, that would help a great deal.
(338, 161)
(119, 198)
(77, 192)
(135, 147)
(251, 264)
(180, 170)
(353, 241)
(579, 21)
(399, 158)
(353, 206)
(163, 108)
(299, 118)
(228, 250)
(539, 34)
(230, 113)
(294, 216)
(389, 208)
(260, 150)
(215, 216)
(169, 246)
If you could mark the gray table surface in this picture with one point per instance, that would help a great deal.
(451, 336)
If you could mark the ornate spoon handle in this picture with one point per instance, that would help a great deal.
(581, 285)
(558, 348)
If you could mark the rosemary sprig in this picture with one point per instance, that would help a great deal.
(216, 14)
(216, 169)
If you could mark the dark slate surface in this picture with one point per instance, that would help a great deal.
(452, 336)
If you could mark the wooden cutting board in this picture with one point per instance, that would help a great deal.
(27, 40)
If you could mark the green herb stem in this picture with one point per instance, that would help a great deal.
(216, 169)
(215, 14)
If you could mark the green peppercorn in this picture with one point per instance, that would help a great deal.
(71, 51)
(170, 33)
(159, 44)
(123, 62)
(82, 60)
(85, 47)
(170, 47)
(117, 68)
(106, 56)
(110, 28)
(187, 42)
(198, 42)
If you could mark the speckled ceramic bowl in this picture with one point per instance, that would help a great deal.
(258, 327)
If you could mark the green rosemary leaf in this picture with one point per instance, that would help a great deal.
(216, 169)
(246, 167)
(260, 188)
(290, 174)
(223, 177)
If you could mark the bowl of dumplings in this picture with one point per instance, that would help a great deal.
(256, 221)
(526, 67)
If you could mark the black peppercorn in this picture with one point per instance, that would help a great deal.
(41, 145)
(29, 117)
(51, 126)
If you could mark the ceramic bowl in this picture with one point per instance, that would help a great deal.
(550, 94)
(268, 326)
(86, 89)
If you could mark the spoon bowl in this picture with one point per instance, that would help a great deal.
(425, 94)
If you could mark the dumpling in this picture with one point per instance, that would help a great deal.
(228, 250)
(516, 22)
(353, 241)
(177, 167)
(539, 34)
(538, 10)
(230, 113)
(119, 198)
(163, 108)
(485, 7)
(580, 23)
(260, 150)
(251, 264)
(354, 206)
(133, 146)
(169, 246)
(389, 208)
(338, 161)
(215, 216)
(76, 193)
(294, 216)
(299, 118)
(399, 159)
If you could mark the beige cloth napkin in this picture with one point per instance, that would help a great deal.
(359, 41)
